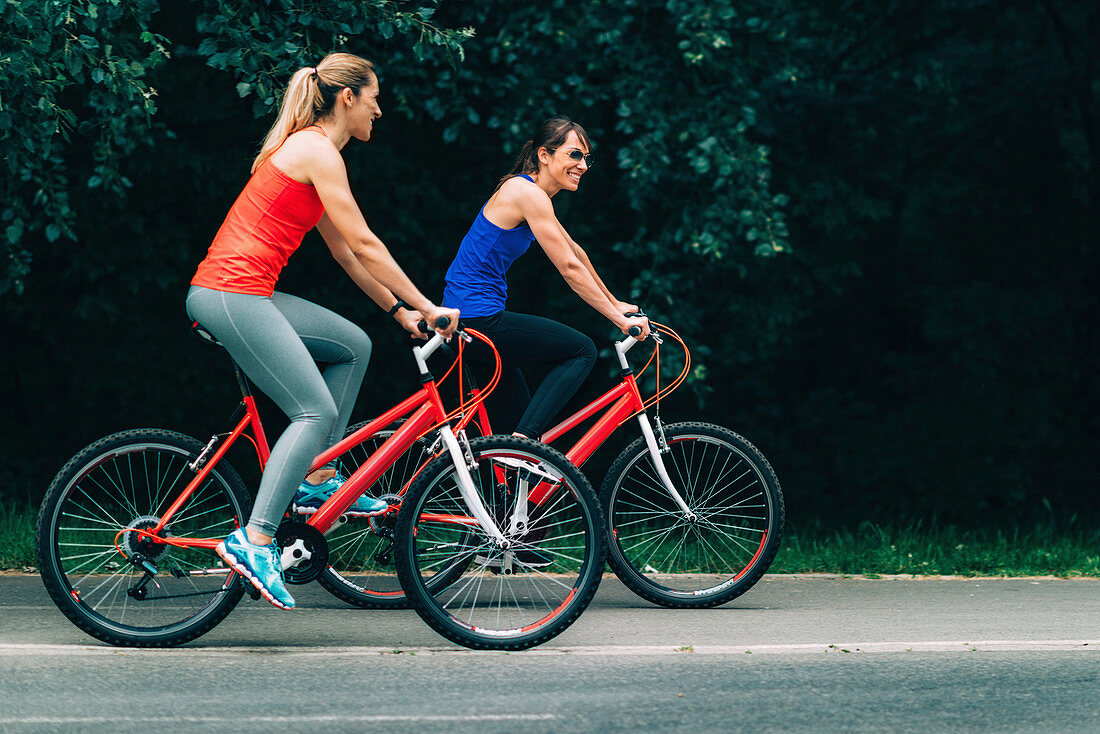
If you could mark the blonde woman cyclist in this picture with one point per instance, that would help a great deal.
(299, 182)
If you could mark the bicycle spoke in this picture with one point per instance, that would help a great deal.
(112, 495)
(510, 594)
(725, 483)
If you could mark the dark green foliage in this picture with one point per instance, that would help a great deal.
(75, 104)
(943, 189)
(875, 223)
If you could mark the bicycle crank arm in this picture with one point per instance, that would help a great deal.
(217, 571)
(518, 526)
(520, 518)
(528, 466)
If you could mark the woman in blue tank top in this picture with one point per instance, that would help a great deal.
(518, 213)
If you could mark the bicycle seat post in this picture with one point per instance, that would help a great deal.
(242, 379)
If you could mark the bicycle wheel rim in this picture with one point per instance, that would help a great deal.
(729, 491)
(125, 487)
(502, 599)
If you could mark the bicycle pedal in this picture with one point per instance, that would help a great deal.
(253, 592)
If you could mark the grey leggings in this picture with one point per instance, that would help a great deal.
(276, 340)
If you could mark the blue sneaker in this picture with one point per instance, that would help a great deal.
(309, 498)
(260, 564)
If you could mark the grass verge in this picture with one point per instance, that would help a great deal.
(1066, 550)
(17, 536)
(1051, 549)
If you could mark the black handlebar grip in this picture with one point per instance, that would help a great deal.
(635, 330)
(441, 323)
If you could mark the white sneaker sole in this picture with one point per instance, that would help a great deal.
(242, 569)
(304, 510)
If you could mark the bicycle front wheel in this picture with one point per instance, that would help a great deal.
(511, 595)
(361, 568)
(678, 561)
(122, 586)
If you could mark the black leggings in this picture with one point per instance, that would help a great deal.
(524, 340)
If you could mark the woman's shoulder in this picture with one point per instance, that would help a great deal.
(302, 153)
(309, 140)
(520, 189)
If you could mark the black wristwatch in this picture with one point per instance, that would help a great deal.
(399, 304)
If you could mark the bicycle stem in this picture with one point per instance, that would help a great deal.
(622, 347)
(422, 353)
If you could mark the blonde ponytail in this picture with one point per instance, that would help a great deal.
(311, 94)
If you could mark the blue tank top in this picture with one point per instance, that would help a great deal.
(475, 281)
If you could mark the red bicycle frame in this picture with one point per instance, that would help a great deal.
(424, 411)
(619, 403)
(622, 401)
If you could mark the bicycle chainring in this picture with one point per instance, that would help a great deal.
(304, 548)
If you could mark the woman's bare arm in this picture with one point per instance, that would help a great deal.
(355, 270)
(578, 273)
(328, 175)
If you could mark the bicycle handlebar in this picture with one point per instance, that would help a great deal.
(441, 323)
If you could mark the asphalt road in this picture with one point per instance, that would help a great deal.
(794, 654)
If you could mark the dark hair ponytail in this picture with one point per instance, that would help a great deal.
(551, 133)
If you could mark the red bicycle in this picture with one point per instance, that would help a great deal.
(695, 512)
(127, 529)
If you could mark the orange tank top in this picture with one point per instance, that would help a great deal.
(264, 227)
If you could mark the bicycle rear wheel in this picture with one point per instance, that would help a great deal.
(121, 483)
(508, 598)
(672, 560)
(361, 568)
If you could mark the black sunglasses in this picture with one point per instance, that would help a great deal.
(578, 155)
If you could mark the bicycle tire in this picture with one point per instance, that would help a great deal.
(122, 481)
(361, 570)
(665, 558)
(501, 601)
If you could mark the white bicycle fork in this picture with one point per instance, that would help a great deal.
(458, 457)
(621, 348)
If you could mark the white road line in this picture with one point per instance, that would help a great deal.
(799, 648)
(288, 719)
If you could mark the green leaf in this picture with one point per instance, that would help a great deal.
(15, 231)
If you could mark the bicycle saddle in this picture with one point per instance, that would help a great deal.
(203, 334)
